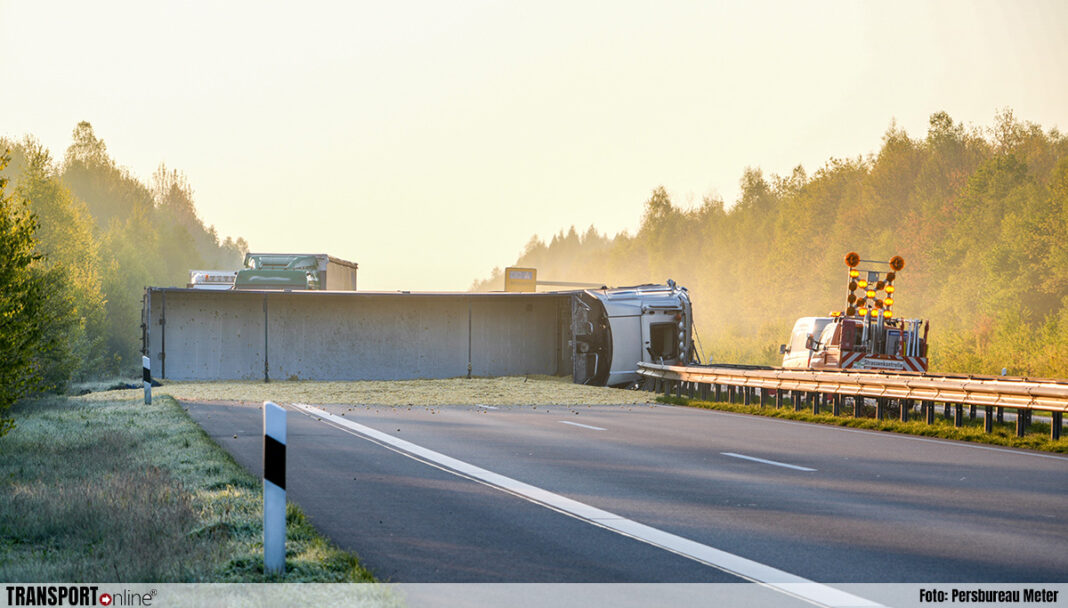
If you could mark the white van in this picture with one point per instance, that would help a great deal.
(803, 341)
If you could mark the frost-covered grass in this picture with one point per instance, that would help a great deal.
(108, 488)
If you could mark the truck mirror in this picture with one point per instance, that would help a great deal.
(811, 343)
(782, 349)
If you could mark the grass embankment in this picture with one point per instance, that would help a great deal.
(1004, 434)
(107, 488)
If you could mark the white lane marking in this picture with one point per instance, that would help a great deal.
(773, 578)
(771, 462)
(585, 426)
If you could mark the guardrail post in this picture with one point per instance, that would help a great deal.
(928, 411)
(678, 389)
(988, 419)
(1001, 415)
(693, 389)
(958, 415)
(778, 398)
(747, 395)
(904, 405)
(817, 399)
(797, 400)
(763, 397)
(704, 391)
(945, 410)
(858, 406)
(880, 408)
(836, 404)
(666, 386)
(1056, 422)
(1021, 423)
(971, 413)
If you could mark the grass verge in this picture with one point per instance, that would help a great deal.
(1003, 434)
(117, 490)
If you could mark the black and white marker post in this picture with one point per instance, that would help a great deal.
(274, 488)
(146, 374)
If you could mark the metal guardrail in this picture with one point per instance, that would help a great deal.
(818, 387)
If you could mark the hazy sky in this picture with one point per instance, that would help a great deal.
(428, 141)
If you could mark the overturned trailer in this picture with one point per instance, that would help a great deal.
(594, 336)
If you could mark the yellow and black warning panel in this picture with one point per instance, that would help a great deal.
(868, 305)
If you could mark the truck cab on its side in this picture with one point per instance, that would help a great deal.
(614, 329)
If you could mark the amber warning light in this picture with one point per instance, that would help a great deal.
(867, 302)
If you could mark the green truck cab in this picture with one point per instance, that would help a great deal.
(278, 271)
(296, 271)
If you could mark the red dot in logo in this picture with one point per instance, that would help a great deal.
(105, 599)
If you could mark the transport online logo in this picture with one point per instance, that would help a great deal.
(74, 595)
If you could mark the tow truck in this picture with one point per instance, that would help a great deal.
(867, 334)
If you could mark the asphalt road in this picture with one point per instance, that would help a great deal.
(822, 503)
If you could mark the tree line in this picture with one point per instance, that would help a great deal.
(82, 238)
(979, 214)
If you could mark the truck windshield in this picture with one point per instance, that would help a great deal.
(827, 335)
(802, 331)
(662, 343)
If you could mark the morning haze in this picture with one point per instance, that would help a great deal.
(432, 143)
